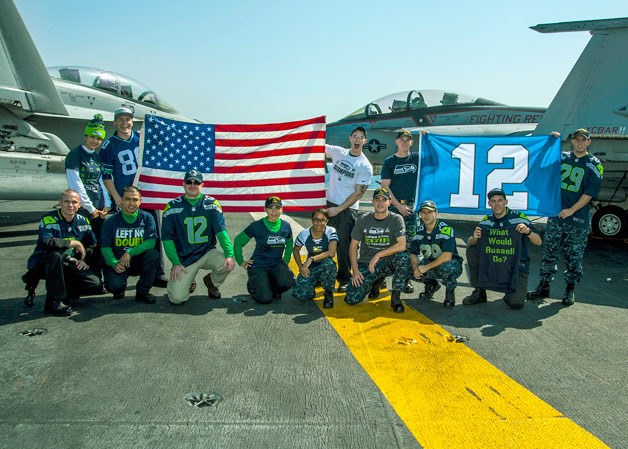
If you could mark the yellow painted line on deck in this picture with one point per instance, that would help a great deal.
(448, 396)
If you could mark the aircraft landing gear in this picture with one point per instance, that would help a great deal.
(610, 221)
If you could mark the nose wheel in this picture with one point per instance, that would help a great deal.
(610, 221)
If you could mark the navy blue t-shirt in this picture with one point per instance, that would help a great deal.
(119, 235)
(316, 246)
(269, 246)
(403, 174)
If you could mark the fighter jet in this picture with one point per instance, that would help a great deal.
(594, 96)
(43, 112)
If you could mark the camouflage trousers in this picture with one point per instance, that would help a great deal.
(449, 272)
(411, 223)
(569, 240)
(325, 271)
(395, 266)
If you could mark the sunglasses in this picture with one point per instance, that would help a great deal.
(190, 182)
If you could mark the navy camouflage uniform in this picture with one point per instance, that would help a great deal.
(395, 266)
(324, 271)
(568, 236)
(429, 250)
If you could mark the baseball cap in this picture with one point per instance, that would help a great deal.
(381, 192)
(404, 133)
(122, 111)
(582, 132)
(194, 174)
(273, 201)
(496, 191)
(428, 204)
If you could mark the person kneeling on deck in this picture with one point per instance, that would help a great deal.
(192, 225)
(321, 242)
(498, 254)
(127, 244)
(268, 272)
(64, 250)
(433, 254)
(381, 239)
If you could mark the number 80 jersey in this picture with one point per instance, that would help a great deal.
(120, 160)
(192, 227)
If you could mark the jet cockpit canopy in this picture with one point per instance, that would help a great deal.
(113, 83)
(415, 100)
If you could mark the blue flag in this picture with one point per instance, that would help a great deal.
(457, 173)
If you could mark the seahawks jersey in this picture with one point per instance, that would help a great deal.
(316, 246)
(579, 176)
(120, 235)
(269, 246)
(53, 226)
(430, 245)
(192, 228)
(89, 170)
(120, 160)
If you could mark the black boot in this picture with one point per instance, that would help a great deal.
(57, 308)
(395, 302)
(328, 302)
(431, 287)
(450, 299)
(540, 292)
(476, 297)
(569, 297)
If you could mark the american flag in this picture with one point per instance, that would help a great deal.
(241, 164)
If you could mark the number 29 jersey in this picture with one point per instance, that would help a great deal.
(432, 245)
(192, 227)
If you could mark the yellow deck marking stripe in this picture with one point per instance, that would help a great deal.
(448, 396)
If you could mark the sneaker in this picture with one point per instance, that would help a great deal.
(431, 287)
(569, 297)
(161, 282)
(212, 291)
(395, 302)
(450, 299)
(542, 291)
(146, 298)
(342, 288)
(476, 297)
(409, 287)
(328, 302)
(57, 308)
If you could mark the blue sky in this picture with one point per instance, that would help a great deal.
(255, 62)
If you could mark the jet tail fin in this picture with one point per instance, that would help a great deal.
(24, 81)
(595, 93)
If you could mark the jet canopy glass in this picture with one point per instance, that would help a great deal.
(415, 100)
(113, 83)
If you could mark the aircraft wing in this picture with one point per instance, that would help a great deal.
(24, 81)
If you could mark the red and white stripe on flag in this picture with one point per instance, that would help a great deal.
(252, 162)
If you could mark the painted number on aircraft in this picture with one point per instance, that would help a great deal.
(497, 177)
(195, 227)
(573, 174)
(129, 159)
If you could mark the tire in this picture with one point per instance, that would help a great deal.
(610, 221)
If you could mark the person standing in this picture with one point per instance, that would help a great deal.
(433, 255)
(192, 225)
(64, 250)
(380, 237)
(349, 179)
(128, 248)
(399, 175)
(568, 232)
